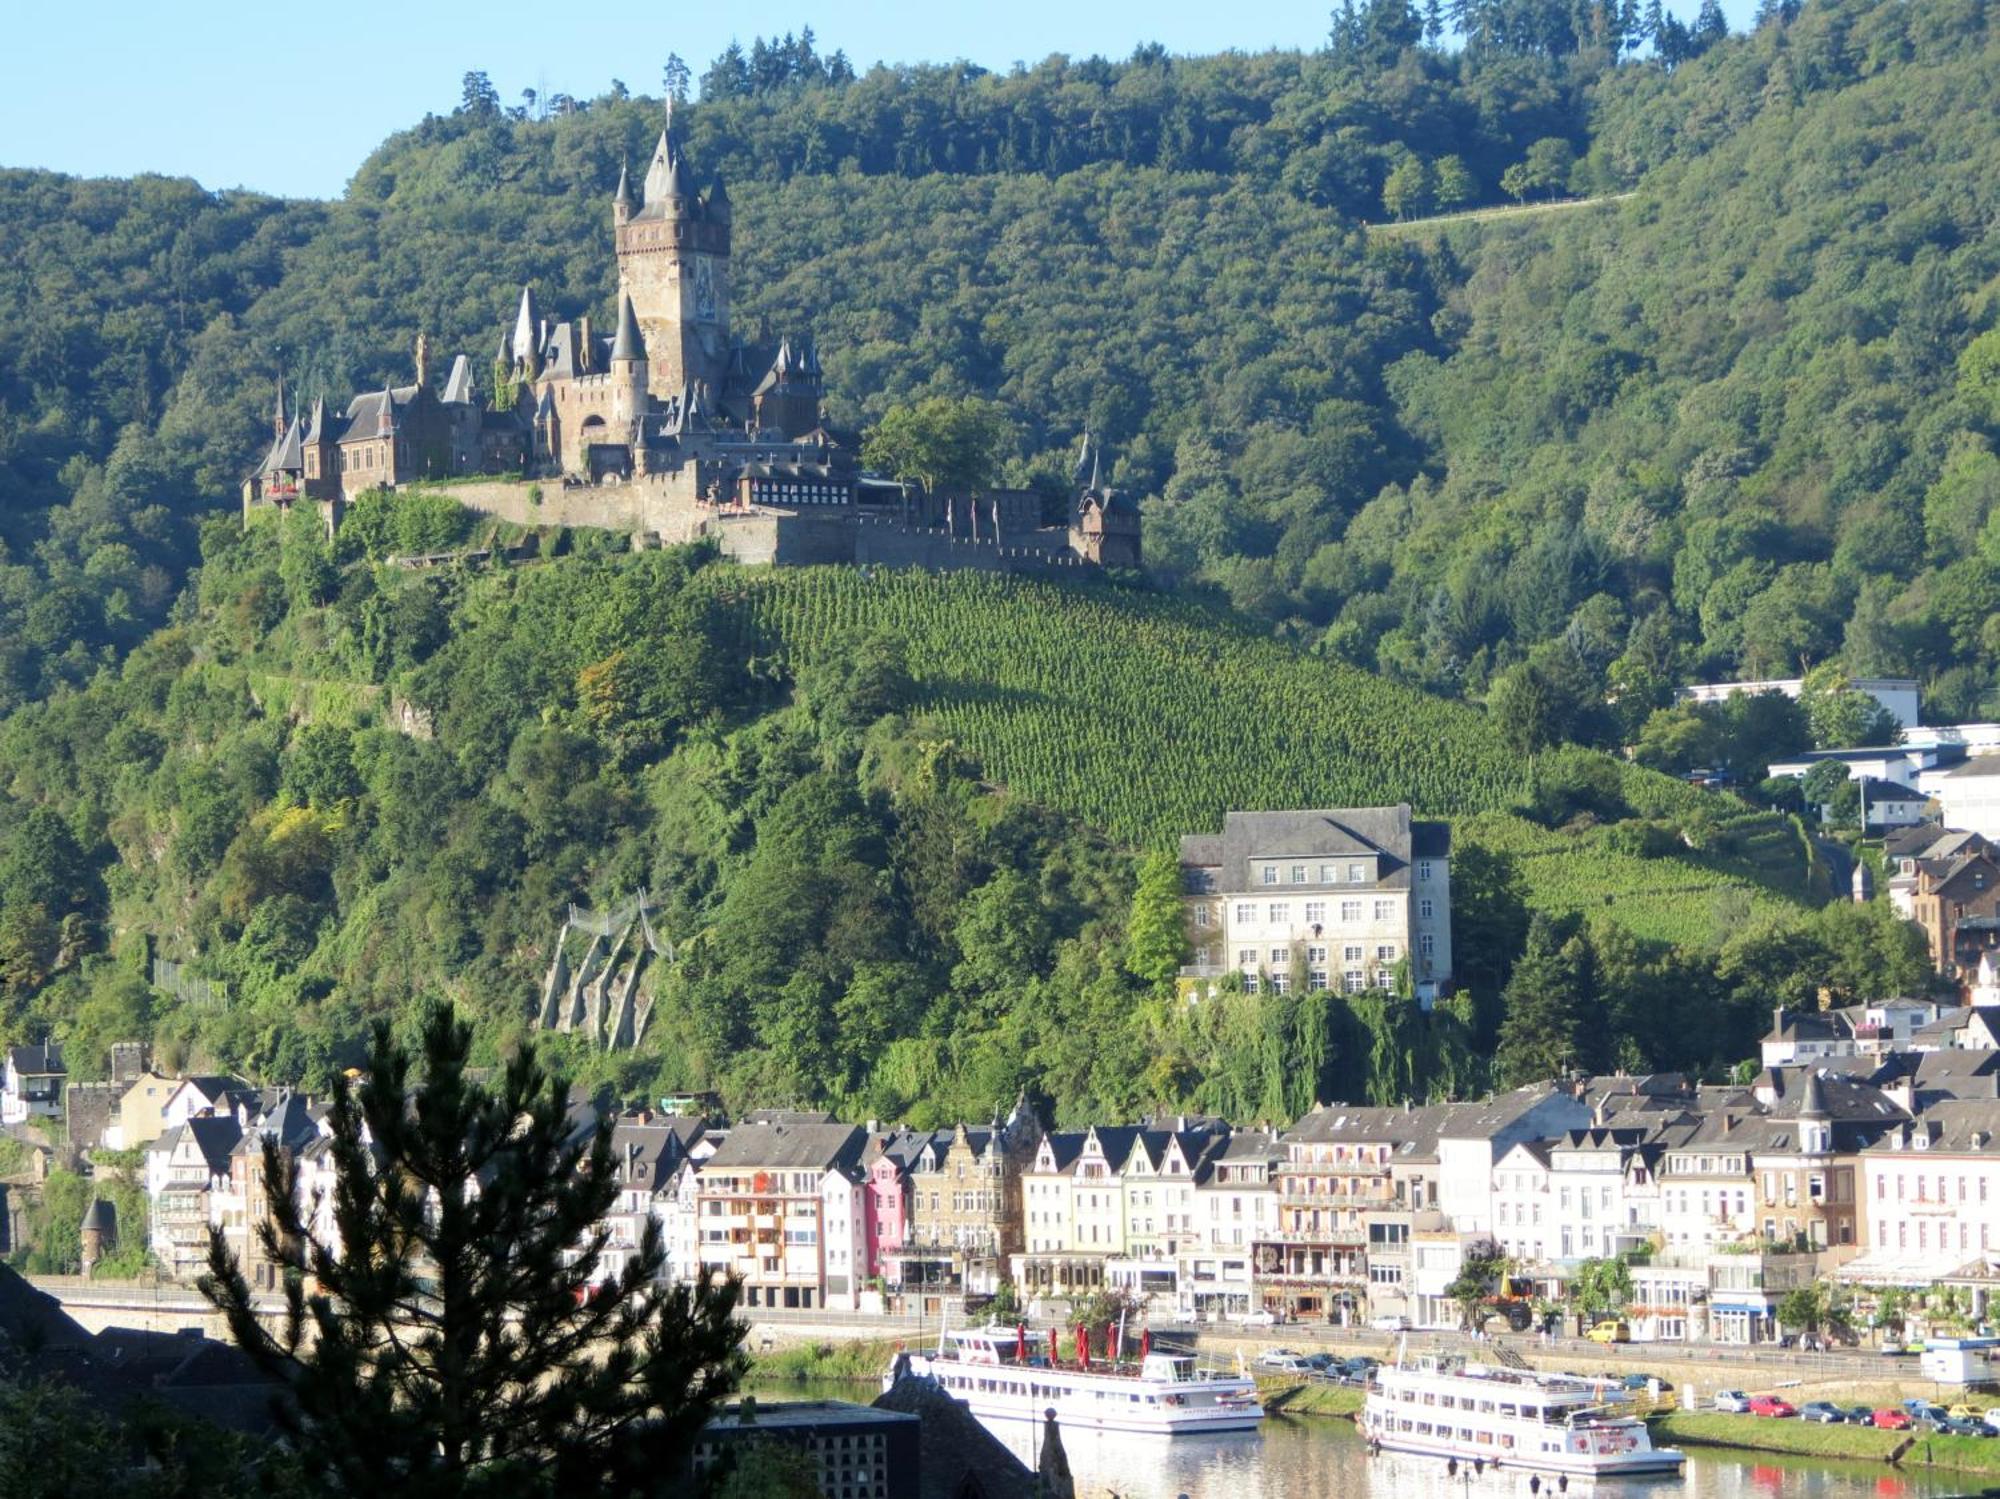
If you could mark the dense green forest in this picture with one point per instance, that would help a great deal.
(1739, 421)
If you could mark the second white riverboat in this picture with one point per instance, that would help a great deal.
(1440, 1405)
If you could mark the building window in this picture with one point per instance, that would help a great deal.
(1316, 956)
(1350, 910)
(1298, 874)
(1245, 912)
(1326, 874)
(1247, 957)
(1270, 874)
(1385, 910)
(1385, 953)
(1280, 956)
(1201, 915)
(1423, 869)
(1351, 953)
(1426, 909)
(1351, 981)
(1356, 873)
(1280, 914)
(1427, 944)
(1315, 913)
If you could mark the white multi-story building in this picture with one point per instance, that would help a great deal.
(1475, 1137)
(760, 1205)
(1330, 899)
(844, 1200)
(1235, 1204)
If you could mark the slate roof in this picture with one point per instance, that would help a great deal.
(1390, 832)
(1413, 1131)
(1978, 765)
(1958, 1125)
(37, 1061)
(957, 1458)
(214, 1135)
(1810, 1025)
(790, 1146)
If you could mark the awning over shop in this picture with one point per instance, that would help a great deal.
(1888, 1268)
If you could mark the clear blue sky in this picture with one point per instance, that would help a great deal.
(289, 98)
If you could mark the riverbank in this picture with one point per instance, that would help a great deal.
(857, 1361)
(1810, 1439)
(1294, 1398)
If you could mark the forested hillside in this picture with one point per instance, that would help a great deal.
(1740, 421)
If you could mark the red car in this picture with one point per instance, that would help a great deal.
(1892, 1420)
(1771, 1405)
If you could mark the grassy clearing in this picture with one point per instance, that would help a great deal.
(858, 1360)
(1807, 1439)
(1309, 1399)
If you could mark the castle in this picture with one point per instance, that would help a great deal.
(671, 427)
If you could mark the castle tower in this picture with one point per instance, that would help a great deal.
(628, 366)
(673, 262)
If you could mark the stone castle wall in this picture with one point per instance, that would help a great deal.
(664, 506)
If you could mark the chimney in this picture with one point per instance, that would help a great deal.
(1728, 1123)
(1778, 1018)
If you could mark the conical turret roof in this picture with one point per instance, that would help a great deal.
(525, 323)
(1812, 1105)
(628, 344)
(623, 197)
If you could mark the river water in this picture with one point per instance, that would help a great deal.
(1321, 1457)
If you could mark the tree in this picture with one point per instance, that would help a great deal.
(1545, 169)
(950, 444)
(1156, 937)
(1408, 191)
(1479, 1270)
(453, 1343)
(1533, 706)
(1824, 783)
(1601, 1287)
(675, 78)
(479, 96)
(1552, 1018)
(1841, 715)
(1455, 185)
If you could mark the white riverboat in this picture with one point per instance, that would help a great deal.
(1003, 1375)
(1441, 1406)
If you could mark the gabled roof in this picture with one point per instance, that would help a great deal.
(214, 1136)
(1387, 833)
(458, 387)
(1810, 1025)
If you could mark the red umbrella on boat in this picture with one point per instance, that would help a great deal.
(1055, 1349)
(1082, 1345)
(1020, 1342)
(1145, 1343)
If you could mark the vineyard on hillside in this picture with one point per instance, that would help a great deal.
(1143, 714)
(1151, 716)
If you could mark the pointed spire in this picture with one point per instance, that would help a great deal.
(524, 346)
(623, 197)
(278, 417)
(385, 419)
(1052, 1475)
(628, 345)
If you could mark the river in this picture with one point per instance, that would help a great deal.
(1320, 1457)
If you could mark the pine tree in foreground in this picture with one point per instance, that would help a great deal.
(440, 1336)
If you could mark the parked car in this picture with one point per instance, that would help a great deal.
(1731, 1400)
(1320, 1363)
(1861, 1415)
(1640, 1381)
(1282, 1359)
(1927, 1410)
(1253, 1319)
(1823, 1411)
(1964, 1412)
(1390, 1323)
(1610, 1331)
(1892, 1420)
(1956, 1426)
(1891, 1347)
(1771, 1405)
